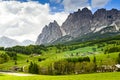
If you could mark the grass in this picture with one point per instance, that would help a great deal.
(94, 76)
(58, 56)
(107, 59)
(52, 57)
(21, 61)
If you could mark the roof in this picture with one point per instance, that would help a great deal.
(117, 65)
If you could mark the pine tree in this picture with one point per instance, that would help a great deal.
(33, 68)
(95, 65)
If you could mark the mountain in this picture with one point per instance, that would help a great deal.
(83, 24)
(78, 23)
(27, 42)
(49, 33)
(7, 42)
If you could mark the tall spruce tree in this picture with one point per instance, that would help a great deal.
(33, 68)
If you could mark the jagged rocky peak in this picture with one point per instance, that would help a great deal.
(99, 19)
(80, 23)
(86, 13)
(77, 23)
(81, 12)
(49, 33)
(106, 14)
(114, 11)
(100, 14)
(103, 18)
(85, 10)
(113, 14)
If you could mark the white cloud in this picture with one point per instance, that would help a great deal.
(25, 20)
(73, 5)
(99, 3)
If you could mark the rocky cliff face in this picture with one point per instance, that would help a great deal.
(81, 23)
(49, 33)
(103, 18)
(78, 23)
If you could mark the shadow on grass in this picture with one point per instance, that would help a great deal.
(1, 75)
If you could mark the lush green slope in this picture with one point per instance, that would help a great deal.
(95, 76)
(88, 37)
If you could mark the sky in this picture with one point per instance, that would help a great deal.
(25, 19)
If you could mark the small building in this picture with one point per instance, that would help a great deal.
(118, 67)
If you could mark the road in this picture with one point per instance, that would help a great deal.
(15, 74)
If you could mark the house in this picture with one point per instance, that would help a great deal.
(118, 67)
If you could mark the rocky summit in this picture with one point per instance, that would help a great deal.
(81, 23)
(49, 33)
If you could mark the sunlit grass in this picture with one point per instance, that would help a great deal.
(94, 76)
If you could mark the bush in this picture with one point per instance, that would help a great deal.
(78, 59)
(112, 49)
(4, 57)
(12, 54)
(1, 48)
(41, 59)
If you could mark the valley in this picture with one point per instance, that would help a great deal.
(96, 56)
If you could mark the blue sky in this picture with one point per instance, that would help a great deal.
(59, 6)
(113, 4)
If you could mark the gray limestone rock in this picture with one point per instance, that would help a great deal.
(49, 33)
(81, 23)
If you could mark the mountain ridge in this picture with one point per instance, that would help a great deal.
(84, 22)
(8, 42)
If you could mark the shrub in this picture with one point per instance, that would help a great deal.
(33, 68)
(4, 57)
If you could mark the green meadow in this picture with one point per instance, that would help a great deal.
(95, 76)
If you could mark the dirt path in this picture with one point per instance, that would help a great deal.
(15, 74)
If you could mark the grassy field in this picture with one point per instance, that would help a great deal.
(52, 57)
(95, 76)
